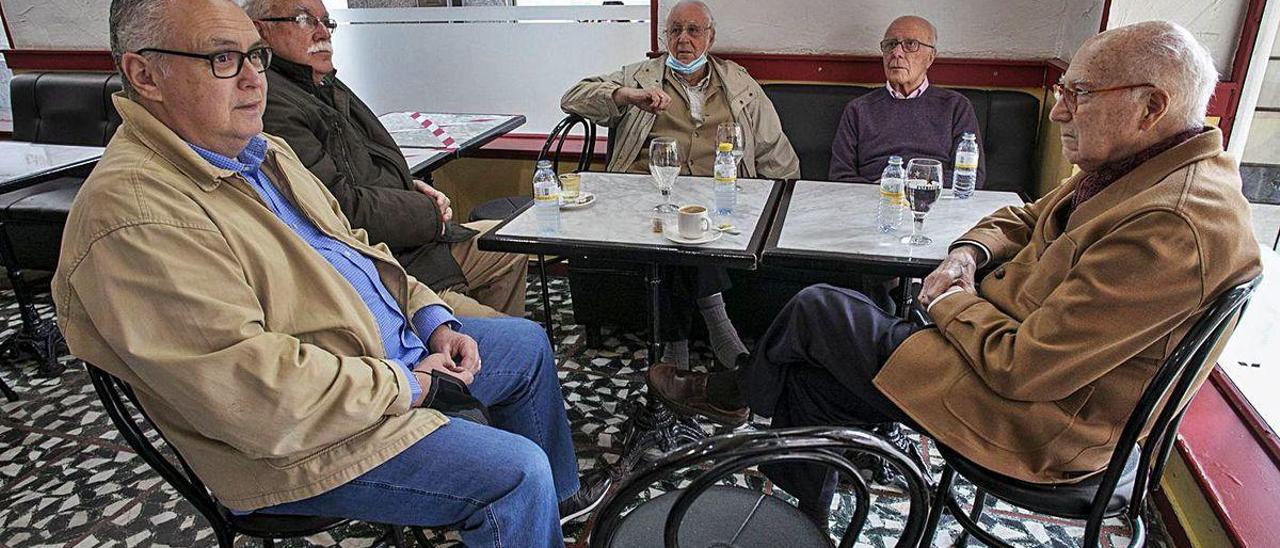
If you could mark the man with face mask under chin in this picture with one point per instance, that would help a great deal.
(685, 95)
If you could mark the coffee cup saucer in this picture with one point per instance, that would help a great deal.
(673, 234)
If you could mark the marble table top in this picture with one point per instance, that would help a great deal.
(21, 160)
(618, 224)
(832, 225)
(422, 135)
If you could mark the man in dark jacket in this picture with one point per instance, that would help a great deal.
(342, 142)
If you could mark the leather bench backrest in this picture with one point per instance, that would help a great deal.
(66, 108)
(1008, 121)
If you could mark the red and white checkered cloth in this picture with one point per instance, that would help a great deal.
(445, 138)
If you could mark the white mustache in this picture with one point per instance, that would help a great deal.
(325, 46)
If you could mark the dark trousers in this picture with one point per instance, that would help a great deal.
(814, 367)
(682, 287)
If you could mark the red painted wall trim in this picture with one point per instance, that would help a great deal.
(1262, 433)
(529, 145)
(653, 27)
(1232, 463)
(59, 59)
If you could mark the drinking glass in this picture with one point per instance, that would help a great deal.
(731, 132)
(924, 184)
(664, 165)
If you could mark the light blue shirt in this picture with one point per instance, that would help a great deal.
(403, 346)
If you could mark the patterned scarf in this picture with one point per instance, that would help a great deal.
(1093, 183)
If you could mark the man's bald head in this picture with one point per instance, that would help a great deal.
(1163, 54)
(912, 24)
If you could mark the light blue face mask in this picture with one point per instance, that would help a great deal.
(690, 68)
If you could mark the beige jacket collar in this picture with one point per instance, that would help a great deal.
(1200, 147)
(169, 146)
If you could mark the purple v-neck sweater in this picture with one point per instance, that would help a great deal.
(876, 126)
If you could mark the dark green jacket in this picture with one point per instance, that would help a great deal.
(341, 141)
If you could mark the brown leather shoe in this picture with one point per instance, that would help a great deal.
(686, 393)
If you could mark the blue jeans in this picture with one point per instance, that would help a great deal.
(498, 484)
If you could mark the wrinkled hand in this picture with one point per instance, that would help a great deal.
(956, 270)
(648, 100)
(460, 352)
(442, 201)
(442, 363)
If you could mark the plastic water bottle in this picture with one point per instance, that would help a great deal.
(965, 176)
(893, 202)
(546, 199)
(726, 174)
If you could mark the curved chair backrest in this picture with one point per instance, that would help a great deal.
(561, 133)
(116, 396)
(729, 453)
(1167, 393)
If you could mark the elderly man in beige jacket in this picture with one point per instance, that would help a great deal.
(685, 95)
(292, 363)
(1031, 370)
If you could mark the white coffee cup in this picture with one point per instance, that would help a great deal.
(693, 222)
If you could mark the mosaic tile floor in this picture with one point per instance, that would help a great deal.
(67, 479)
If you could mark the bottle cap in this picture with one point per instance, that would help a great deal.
(968, 135)
(725, 147)
(544, 163)
(895, 159)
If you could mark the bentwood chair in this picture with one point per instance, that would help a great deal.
(116, 396)
(501, 208)
(708, 514)
(1138, 461)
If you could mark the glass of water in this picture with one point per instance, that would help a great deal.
(924, 184)
(664, 165)
(731, 132)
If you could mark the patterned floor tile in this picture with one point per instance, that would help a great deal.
(67, 480)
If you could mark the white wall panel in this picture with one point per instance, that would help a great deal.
(490, 67)
(1216, 23)
(1001, 29)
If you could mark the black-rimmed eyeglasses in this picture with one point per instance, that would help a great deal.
(305, 21)
(227, 63)
(909, 45)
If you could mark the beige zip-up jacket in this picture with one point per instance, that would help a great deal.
(254, 357)
(767, 153)
(1035, 376)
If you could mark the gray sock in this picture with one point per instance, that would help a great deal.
(724, 338)
(676, 352)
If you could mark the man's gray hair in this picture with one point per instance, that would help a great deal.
(1167, 55)
(706, 10)
(134, 25)
(257, 9)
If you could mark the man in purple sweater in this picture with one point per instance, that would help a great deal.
(908, 117)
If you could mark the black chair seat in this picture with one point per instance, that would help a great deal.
(280, 526)
(34, 218)
(49, 201)
(1067, 500)
(498, 209)
(726, 517)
